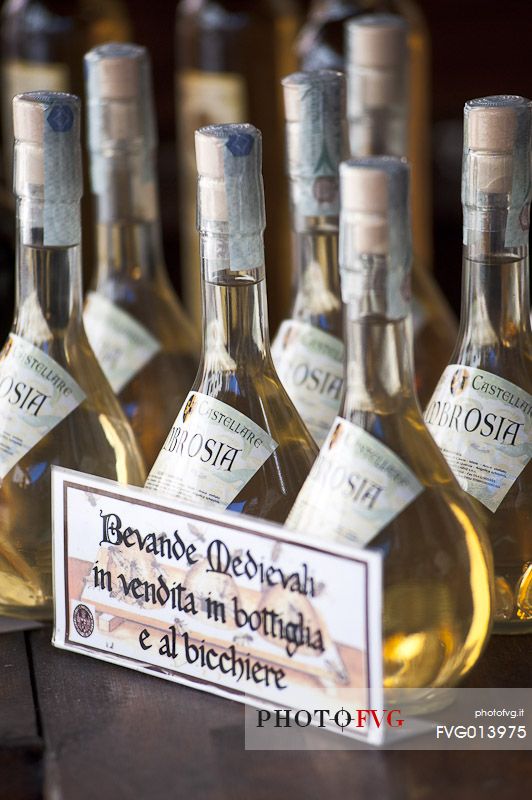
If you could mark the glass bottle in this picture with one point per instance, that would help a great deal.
(134, 321)
(481, 411)
(238, 442)
(378, 113)
(322, 44)
(379, 481)
(55, 405)
(308, 347)
(230, 58)
(42, 43)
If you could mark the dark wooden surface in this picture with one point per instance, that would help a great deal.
(73, 728)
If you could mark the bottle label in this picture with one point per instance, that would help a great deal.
(483, 426)
(122, 345)
(355, 488)
(35, 395)
(210, 454)
(202, 98)
(310, 365)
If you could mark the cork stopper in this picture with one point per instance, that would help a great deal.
(375, 249)
(496, 171)
(120, 97)
(377, 41)
(230, 190)
(47, 170)
(376, 63)
(496, 140)
(316, 137)
(46, 127)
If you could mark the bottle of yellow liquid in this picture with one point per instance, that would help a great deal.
(230, 58)
(308, 349)
(481, 412)
(56, 406)
(237, 442)
(379, 481)
(135, 324)
(378, 99)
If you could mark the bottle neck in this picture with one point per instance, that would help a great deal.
(129, 241)
(379, 375)
(495, 298)
(48, 281)
(379, 131)
(235, 313)
(317, 298)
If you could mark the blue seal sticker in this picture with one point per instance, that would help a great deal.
(240, 144)
(60, 118)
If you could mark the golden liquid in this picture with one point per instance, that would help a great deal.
(436, 560)
(237, 369)
(95, 437)
(151, 397)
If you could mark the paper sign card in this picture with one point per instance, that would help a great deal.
(218, 601)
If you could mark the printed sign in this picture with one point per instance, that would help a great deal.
(36, 393)
(221, 602)
(483, 426)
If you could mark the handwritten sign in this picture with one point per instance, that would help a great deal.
(222, 602)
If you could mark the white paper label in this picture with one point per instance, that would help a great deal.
(356, 487)
(211, 452)
(35, 395)
(483, 426)
(122, 345)
(310, 365)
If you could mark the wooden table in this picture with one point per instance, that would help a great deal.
(72, 728)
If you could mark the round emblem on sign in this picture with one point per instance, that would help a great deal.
(83, 621)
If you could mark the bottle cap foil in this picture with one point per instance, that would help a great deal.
(375, 246)
(316, 139)
(47, 173)
(496, 164)
(231, 193)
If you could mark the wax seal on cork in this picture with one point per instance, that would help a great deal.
(316, 137)
(230, 190)
(47, 170)
(376, 62)
(375, 249)
(118, 79)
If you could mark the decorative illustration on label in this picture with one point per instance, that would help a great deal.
(122, 345)
(210, 454)
(309, 363)
(35, 395)
(483, 426)
(356, 487)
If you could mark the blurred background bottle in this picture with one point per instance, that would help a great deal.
(230, 58)
(134, 321)
(42, 46)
